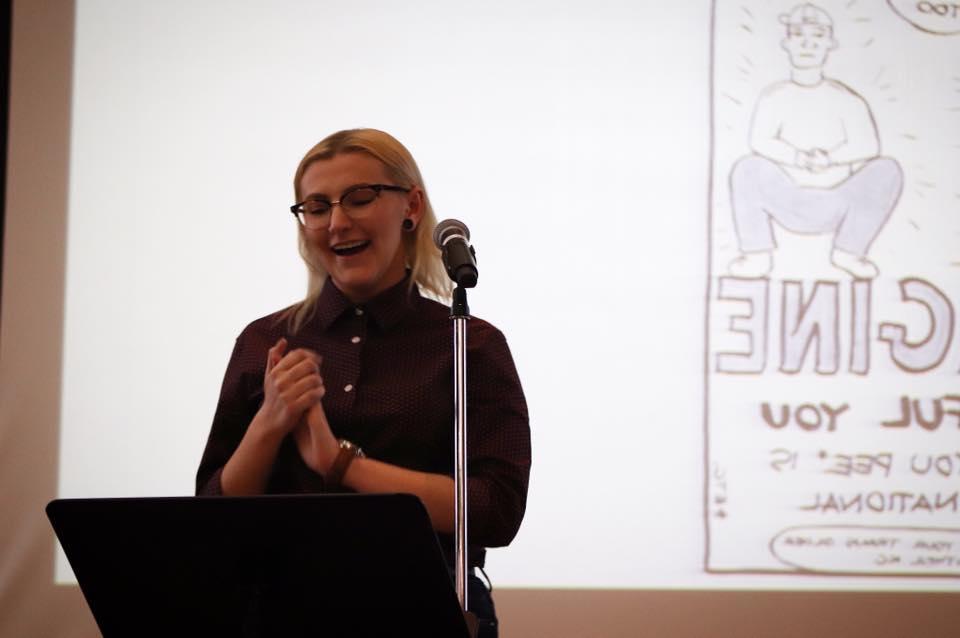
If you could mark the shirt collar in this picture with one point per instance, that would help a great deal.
(387, 309)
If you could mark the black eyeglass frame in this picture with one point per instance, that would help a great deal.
(298, 209)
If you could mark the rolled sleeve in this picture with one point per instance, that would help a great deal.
(498, 434)
(236, 408)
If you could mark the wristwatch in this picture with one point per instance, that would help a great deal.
(348, 452)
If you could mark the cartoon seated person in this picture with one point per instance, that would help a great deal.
(816, 164)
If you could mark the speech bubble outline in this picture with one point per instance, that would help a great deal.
(869, 550)
(929, 16)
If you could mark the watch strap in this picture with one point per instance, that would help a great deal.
(348, 452)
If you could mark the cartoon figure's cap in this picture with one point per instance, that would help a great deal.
(807, 14)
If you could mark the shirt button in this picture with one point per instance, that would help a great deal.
(358, 311)
(355, 340)
(348, 387)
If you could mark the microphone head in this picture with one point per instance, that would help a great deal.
(448, 229)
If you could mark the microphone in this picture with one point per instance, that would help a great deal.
(453, 239)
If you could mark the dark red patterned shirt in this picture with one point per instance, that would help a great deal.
(388, 370)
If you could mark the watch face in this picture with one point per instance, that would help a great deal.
(347, 445)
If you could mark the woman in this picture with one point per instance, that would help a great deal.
(351, 389)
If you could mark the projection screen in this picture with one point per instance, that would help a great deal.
(696, 425)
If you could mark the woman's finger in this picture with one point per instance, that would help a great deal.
(309, 385)
(295, 357)
(275, 354)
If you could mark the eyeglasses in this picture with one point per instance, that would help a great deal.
(314, 212)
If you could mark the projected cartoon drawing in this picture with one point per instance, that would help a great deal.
(831, 397)
(816, 164)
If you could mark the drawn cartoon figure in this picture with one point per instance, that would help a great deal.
(816, 164)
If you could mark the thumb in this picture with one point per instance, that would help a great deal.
(276, 353)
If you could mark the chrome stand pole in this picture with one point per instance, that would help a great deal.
(460, 313)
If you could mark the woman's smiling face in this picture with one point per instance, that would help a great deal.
(361, 249)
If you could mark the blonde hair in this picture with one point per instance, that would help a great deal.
(423, 257)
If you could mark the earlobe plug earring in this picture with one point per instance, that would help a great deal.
(407, 224)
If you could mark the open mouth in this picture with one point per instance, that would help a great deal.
(350, 248)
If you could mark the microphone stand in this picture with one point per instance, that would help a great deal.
(460, 313)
